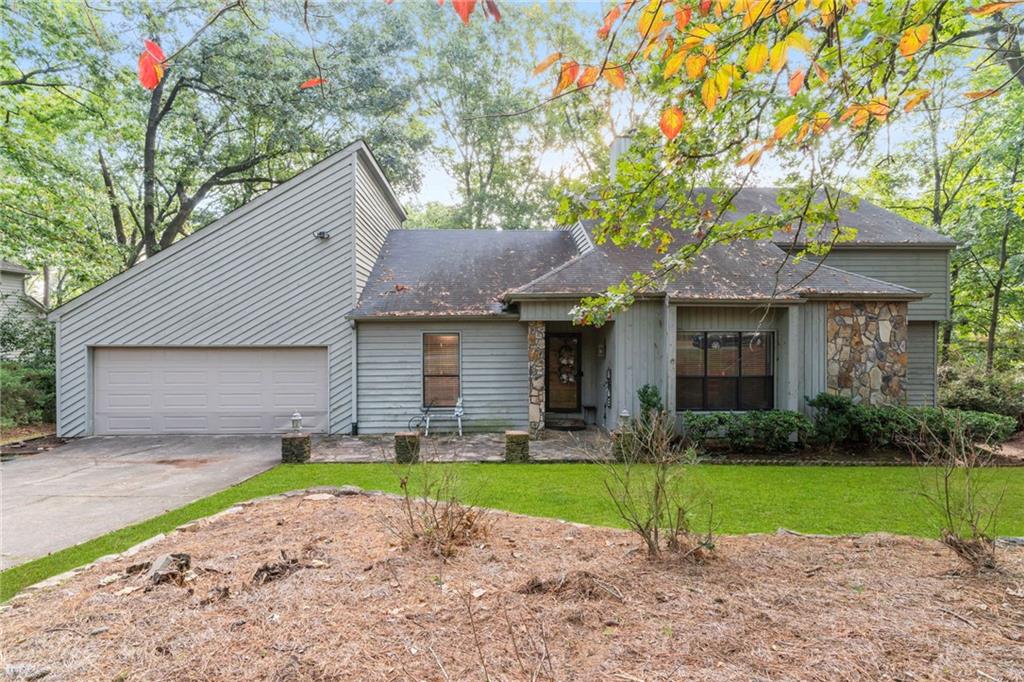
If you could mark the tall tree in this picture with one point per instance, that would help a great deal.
(227, 120)
(963, 175)
(473, 79)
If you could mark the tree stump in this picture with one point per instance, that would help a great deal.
(517, 446)
(295, 448)
(407, 447)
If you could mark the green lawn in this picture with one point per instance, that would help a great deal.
(747, 499)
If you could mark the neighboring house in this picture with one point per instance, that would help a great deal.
(311, 298)
(14, 298)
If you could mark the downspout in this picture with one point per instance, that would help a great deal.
(355, 377)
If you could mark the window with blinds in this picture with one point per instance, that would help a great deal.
(725, 371)
(441, 385)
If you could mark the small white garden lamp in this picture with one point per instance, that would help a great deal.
(296, 422)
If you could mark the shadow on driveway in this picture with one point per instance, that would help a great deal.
(95, 485)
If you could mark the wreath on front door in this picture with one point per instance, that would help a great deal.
(567, 364)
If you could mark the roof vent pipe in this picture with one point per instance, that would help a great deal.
(620, 145)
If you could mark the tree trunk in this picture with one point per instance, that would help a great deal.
(46, 287)
(947, 326)
(149, 173)
(997, 289)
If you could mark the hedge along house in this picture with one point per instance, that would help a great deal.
(311, 298)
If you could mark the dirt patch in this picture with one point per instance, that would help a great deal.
(1014, 448)
(536, 598)
(29, 440)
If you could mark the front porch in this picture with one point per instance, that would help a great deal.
(570, 376)
(552, 446)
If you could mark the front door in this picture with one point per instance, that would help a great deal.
(562, 376)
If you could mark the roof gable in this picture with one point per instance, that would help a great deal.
(188, 244)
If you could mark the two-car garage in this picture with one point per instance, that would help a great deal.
(208, 390)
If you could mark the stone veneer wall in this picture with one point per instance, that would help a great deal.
(867, 351)
(535, 335)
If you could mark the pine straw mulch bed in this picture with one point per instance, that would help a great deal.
(537, 598)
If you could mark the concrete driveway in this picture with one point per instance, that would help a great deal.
(92, 486)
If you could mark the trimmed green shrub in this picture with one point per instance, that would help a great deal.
(838, 421)
(967, 387)
(29, 395)
(769, 431)
(980, 427)
(650, 399)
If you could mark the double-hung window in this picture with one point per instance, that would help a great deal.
(725, 370)
(441, 385)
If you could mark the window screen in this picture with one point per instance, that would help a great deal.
(440, 370)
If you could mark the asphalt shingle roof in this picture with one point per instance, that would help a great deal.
(876, 226)
(427, 273)
(743, 270)
(457, 272)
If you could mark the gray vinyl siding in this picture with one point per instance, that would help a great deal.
(921, 356)
(374, 219)
(494, 374)
(13, 299)
(813, 379)
(639, 353)
(546, 311)
(256, 277)
(925, 270)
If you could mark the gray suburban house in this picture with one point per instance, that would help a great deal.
(15, 301)
(312, 298)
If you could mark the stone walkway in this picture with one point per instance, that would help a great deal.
(553, 446)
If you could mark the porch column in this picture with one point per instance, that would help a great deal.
(867, 351)
(535, 350)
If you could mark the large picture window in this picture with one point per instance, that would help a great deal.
(440, 370)
(725, 371)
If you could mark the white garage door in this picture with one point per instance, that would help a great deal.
(208, 390)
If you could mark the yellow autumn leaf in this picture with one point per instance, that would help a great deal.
(650, 15)
(861, 117)
(917, 96)
(879, 108)
(671, 122)
(762, 9)
(548, 61)
(802, 133)
(674, 63)
(991, 8)
(914, 39)
(698, 34)
(695, 65)
(777, 56)
(589, 77)
(709, 94)
(796, 81)
(799, 41)
(850, 111)
(567, 77)
(722, 83)
(616, 76)
(821, 73)
(980, 94)
(821, 122)
(751, 159)
(756, 58)
(783, 127)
